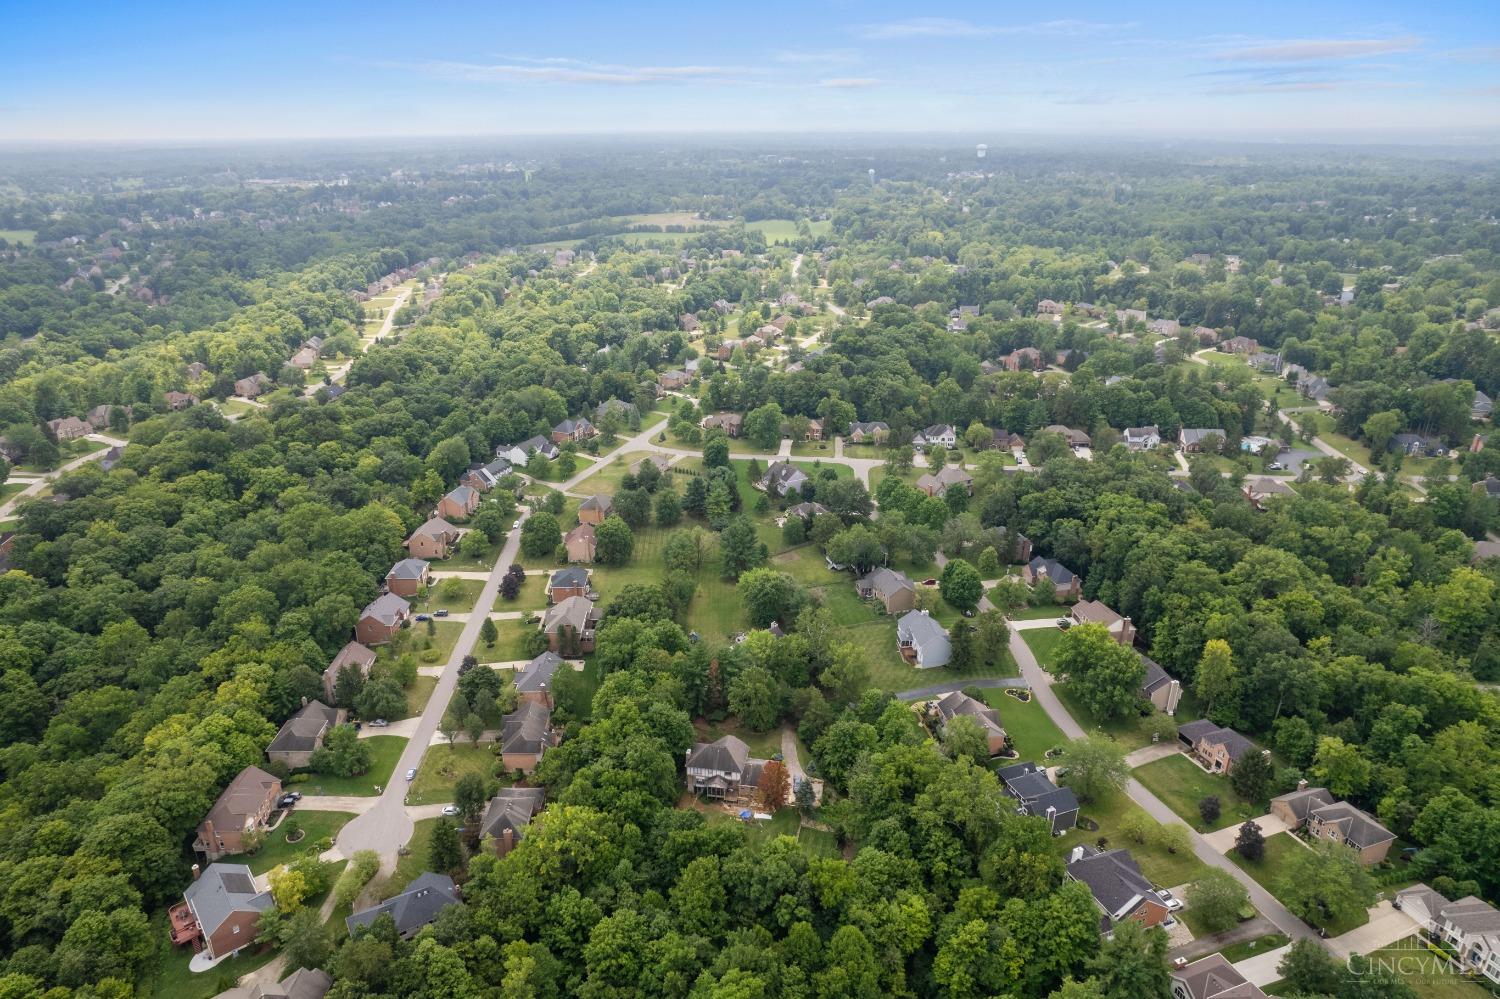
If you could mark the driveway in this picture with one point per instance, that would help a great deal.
(939, 689)
(406, 727)
(1262, 968)
(1150, 754)
(357, 803)
(1223, 839)
(1250, 929)
(1386, 926)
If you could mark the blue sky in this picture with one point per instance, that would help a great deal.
(1263, 70)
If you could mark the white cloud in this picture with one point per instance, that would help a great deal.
(826, 57)
(1316, 50)
(849, 82)
(562, 70)
(947, 27)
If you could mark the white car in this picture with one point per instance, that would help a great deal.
(450, 809)
(411, 774)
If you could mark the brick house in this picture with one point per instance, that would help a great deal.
(302, 734)
(573, 430)
(351, 656)
(581, 543)
(673, 380)
(1119, 888)
(874, 432)
(459, 504)
(219, 911)
(69, 428)
(565, 583)
(381, 619)
(434, 539)
(525, 734)
(730, 423)
(569, 626)
(508, 814)
(1216, 748)
(957, 704)
(244, 806)
(949, 475)
(595, 509)
(533, 682)
(1093, 612)
(1065, 585)
(407, 577)
(1024, 359)
(723, 770)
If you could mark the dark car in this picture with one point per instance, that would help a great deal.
(440, 612)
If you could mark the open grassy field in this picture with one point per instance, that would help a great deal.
(532, 596)
(1163, 868)
(785, 230)
(1267, 870)
(1181, 783)
(1043, 642)
(1030, 730)
(510, 646)
(276, 850)
(385, 751)
(443, 765)
(18, 237)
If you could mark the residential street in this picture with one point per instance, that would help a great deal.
(40, 482)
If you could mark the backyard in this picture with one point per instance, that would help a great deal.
(385, 750)
(1110, 811)
(276, 850)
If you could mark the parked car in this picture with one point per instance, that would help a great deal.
(286, 801)
(929, 582)
(379, 723)
(1275, 466)
(294, 795)
(516, 526)
(411, 774)
(424, 617)
(1065, 623)
(450, 809)
(440, 612)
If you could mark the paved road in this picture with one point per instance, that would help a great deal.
(336, 374)
(40, 482)
(386, 827)
(1041, 686)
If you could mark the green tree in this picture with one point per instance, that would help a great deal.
(1216, 673)
(1341, 767)
(989, 563)
(1217, 898)
(755, 698)
(1325, 885)
(1308, 970)
(962, 736)
(1251, 776)
(444, 852)
(762, 426)
(614, 541)
(715, 450)
(1132, 963)
(740, 549)
(1096, 766)
(540, 535)
(960, 585)
(471, 795)
(488, 633)
(668, 507)
(769, 595)
(1380, 428)
(1103, 674)
(381, 698)
(1250, 842)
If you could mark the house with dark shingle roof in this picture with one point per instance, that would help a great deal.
(219, 910)
(459, 504)
(1470, 926)
(782, 478)
(1196, 440)
(533, 682)
(302, 734)
(381, 619)
(1160, 688)
(957, 703)
(1036, 795)
(1215, 747)
(508, 814)
(433, 539)
(525, 734)
(352, 656)
(1119, 888)
(947, 477)
(418, 906)
(922, 641)
(893, 589)
(407, 576)
(569, 626)
(573, 430)
(723, 769)
(1212, 977)
(572, 581)
(1342, 823)
(243, 807)
(875, 432)
(1065, 585)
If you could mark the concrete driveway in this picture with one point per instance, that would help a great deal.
(1151, 753)
(1223, 839)
(1386, 926)
(1262, 968)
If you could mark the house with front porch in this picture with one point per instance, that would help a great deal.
(1214, 747)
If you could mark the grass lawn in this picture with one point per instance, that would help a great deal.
(444, 765)
(1129, 731)
(1181, 783)
(607, 480)
(818, 842)
(763, 745)
(510, 646)
(532, 597)
(1278, 848)
(410, 866)
(449, 594)
(418, 693)
(1027, 724)
(1044, 642)
(10, 489)
(1250, 948)
(25, 237)
(385, 750)
(785, 230)
(171, 979)
(430, 650)
(1037, 614)
(276, 850)
(813, 449)
(715, 613)
(236, 407)
(1414, 964)
(1163, 868)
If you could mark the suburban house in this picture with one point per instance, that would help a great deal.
(1160, 688)
(565, 583)
(304, 983)
(580, 543)
(1198, 440)
(688, 323)
(179, 400)
(381, 619)
(1093, 612)
(418, 906)
(252, 386)
(459, 504)
(1470, 926)
(1024, 359)
(627, 411)
(806, 511)
(730, 423)
(1239, 345)
(434, 539)
(921, 640)
(1164, 327)
(69, 428)
(219, 911)
(895, 592)
(595, 509)
(111, 457)
(814, 430)
(1019, 551)
(1076, 438)
(407, 577)
(533, 682)
(525, 734)
(937, 435)
(519, 454)
(1123, 316)
(949, 475)
(1266, 362)
(98, 417)
(1142, 438)
(1212, 977)
(1314, 387)
(1036, 795)
(1326, 818)
(1005, 440)
(951, 706)
(726, 349)
(1419, 445)
(244, 806)
(1119, 888)
(1047, 307)
(1206, 337)
(661, 461)
(569, 626)
(874, 433)
(353, 655)
(508, 814)
(723, 769)
(303, 733)
(1216, 748)
(672, 380)
(573, 430)
(782, 478)
(1482, 408)
(305, 358)
(1065, 585)
(1260, 488)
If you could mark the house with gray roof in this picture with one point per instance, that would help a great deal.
(407, 576)
(418, 906)
(1323, 817)
(219, 910)
(1036, 795)
(1142, 438)
(508, 814)
(1212, 977)
(1196, 440)
(304, 983)
(569, 626)
(937, 435)
(806, 511)
(571, 581)
(533, 682)
(948, 476)
(1215, 747)
(525, 734)
(1160, 688)
(896, 593)
(1470, 926)
(723, 769)
(1042, 571)
(958, 704)
(381, 619)
(782, 478)
(242, 808)
(353, 655)
(874, 432)
(302, 734)
(922, 641)
(1119, 888)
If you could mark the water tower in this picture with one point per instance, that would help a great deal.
(981, 149)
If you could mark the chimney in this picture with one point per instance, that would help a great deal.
(1302, 784)
(1076, 855)
(196, 871)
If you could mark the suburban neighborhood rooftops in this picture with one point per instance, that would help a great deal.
(1052, 569)
(242, 798)
(574, 612)
(1113, 878)
(1213, 977)
(409, 568)
(728, 754)
(920, 627)
(537, 675)
(1234, 743)
(387, 608)
(222, 890)
(414, 908)
(511, 811)
(572, 577)
(300, 733)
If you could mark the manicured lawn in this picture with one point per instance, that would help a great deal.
(9, 489)
(448, 594)
(813, 449)
(715, 613)
(1129, 731)
(1181, 783)
(444, 765)
(511, 644)
(1412, 962)
(1037, 614)
(25, 237)
(385, 751)
(818, 842)
(532, 596)
(276, 850)
(1044, 642)
(1268, 869)
(763, 745)
(1250, 948)
(418, 693)
(410, 866)
(1163, 868)
(607, 479)
(1030, 730)
(785, 230)
(171, 979)
(430, 649)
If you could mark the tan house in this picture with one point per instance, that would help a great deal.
(874, 432)
(580, 543)
(407, 577)
(252, 385)
(1216, 748)
(304, 983)
(814, 430)
(1076, 438)
(673, 380)
(595, 509)
(1094, 612)
(459, 504)
(304, 358)
(1323, 817)
(730, 423)
(98, 417)
(302, 734)
(1161, 688)
(956, 704)
(569, 626)
(69, 428)
(381, 619)
(723, 770)
(179, 400)
(1240, 345)
(219, 911)
(434, 539)
(1212, 977)
(1047, 307)
(896, 593)
(244, 806)
(351, 656)
(525, 734)
(726, 349)
(947, 476)
(508, 814)
(1260, 489)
